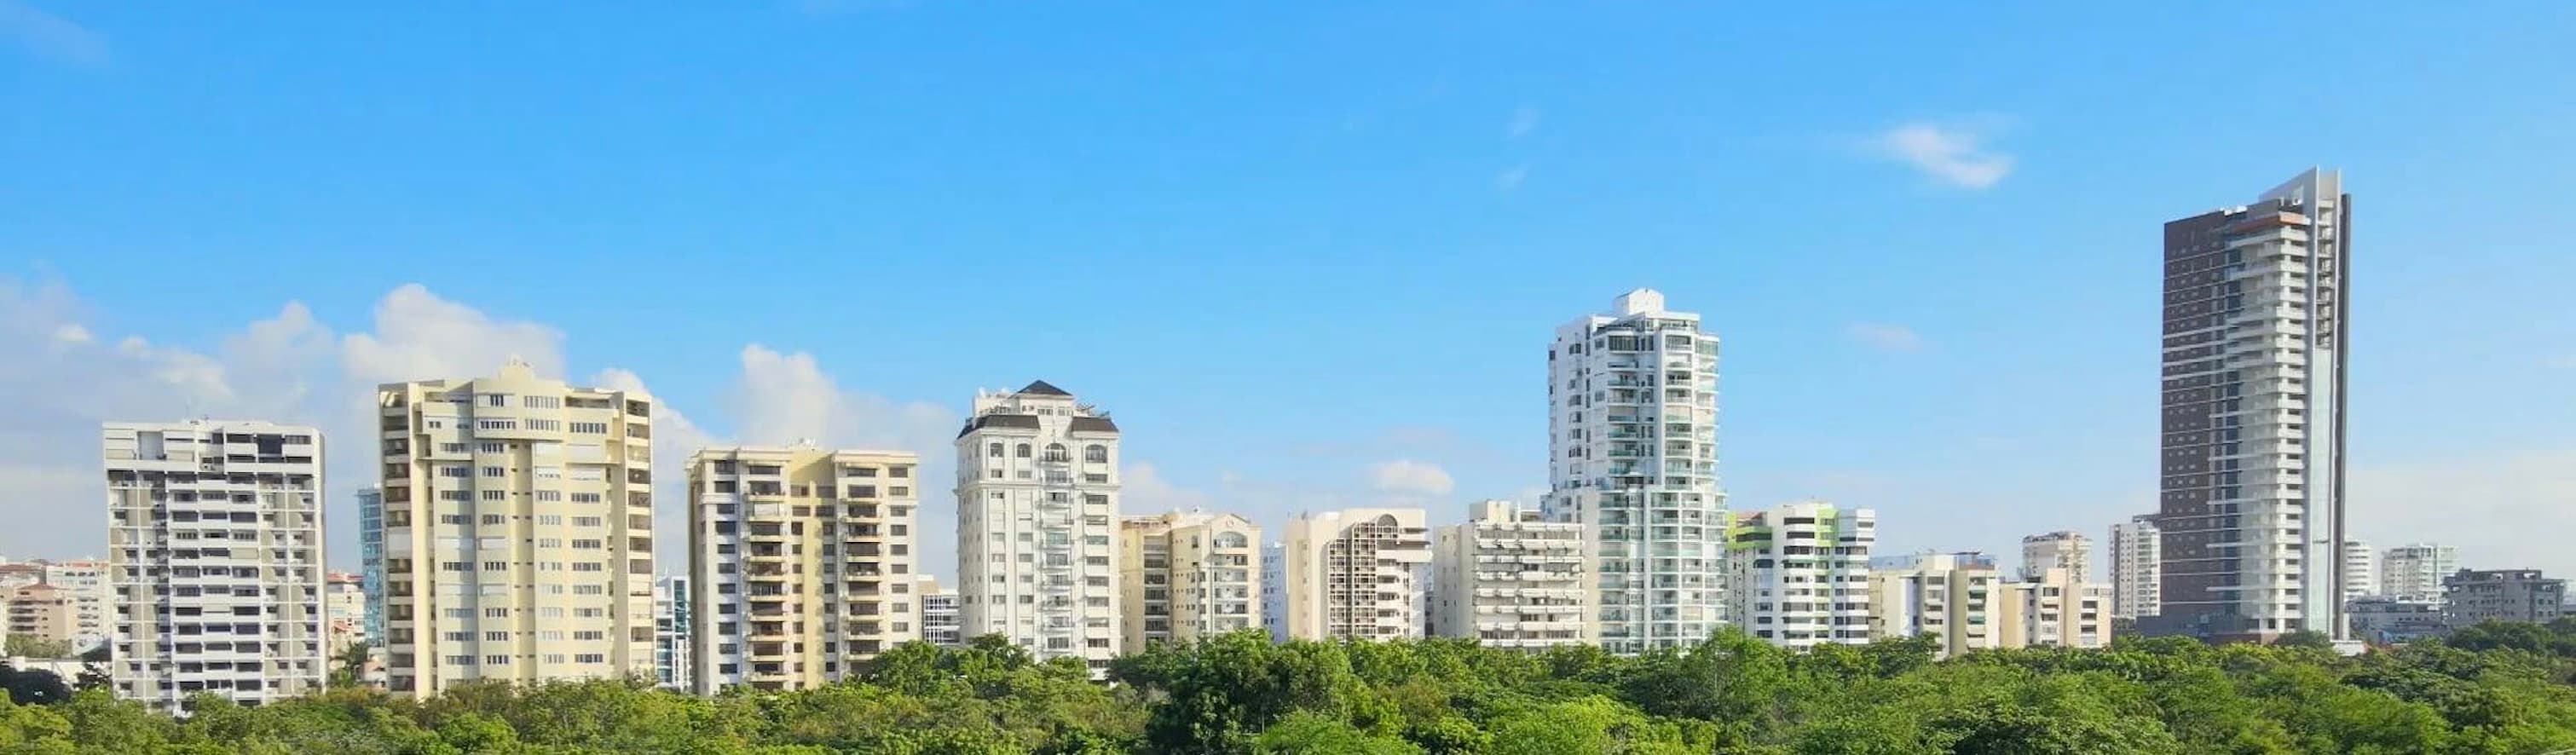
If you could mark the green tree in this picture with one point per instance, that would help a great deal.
(31, 646)
(1313, 733)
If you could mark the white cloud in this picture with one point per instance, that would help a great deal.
(47, 36)
(2503, 510)
(1894, 339)
(1953, 154)
(1511, 178)
(1411, 478)
(2563, 362)
(1524, 121)
(1143, 491)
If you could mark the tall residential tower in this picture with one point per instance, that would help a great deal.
(518, 531)
(1037, 521)
(1632, 450)
(2251, 488)
(800, 564)
(1188, 575)
(214, 535)
(2136, 562)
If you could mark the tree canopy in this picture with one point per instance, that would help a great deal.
(2492, 689)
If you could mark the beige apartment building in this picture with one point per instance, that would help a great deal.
(1950, 596)
(517, 531)
(1509, 578)
(344, 610)
(2054, 609)
(800, 564)
(1357, 574)
(44, 612)
(1187, 575)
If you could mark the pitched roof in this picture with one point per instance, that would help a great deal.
(1041, 388)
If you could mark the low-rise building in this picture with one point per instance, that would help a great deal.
(2054, 609)
(2383, 620)
(1951, 597)
(344, 611)
(1511, 579)
(45, 613)
(2472, 596)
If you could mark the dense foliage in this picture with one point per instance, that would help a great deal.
(2495, 689)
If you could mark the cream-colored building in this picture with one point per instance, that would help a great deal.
(518, 531)
(1511, 579)
(45, 613)
(87, 581)
(2053, 609)
(1950, 596)
(1357, 574)
(344, 607)
(1186, 575)
(215, 560)
(2062, 549)
(1799, 574)
(800, 564)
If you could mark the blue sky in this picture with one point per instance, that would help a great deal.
(1289, 246)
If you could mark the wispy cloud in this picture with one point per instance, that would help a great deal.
(1408, 477)
(1892, 339)
(1511, 177)
(2562, 361)
(1524, 121)
(49, 37)
(1955, 154)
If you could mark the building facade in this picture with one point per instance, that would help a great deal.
(2472, 596)
(1037, 524)
(1187, 575)
(939, 624)
(800, 564)
(2137, 564)
(671, 623)
(44, 613)
(1274, 590)
(1509, 578)
(215, 560)
(2071, 551)
(2381, 620)
(1357, 574)
(344, 611)
(2360, 570)
(371, 555)
(1800, 574)
(1632, 449)
(518, 531)
(1951, 597)
(2415, 571)
(2251, 493)
(2054, 610)
(86, 581)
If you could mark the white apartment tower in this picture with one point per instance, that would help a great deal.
(1632, 449)
(1800, 573)
(1037, 524)
(2415, 571)
(800, 564)
(671, 646)
(1356, 574)
(2071, 551)
(938, 613)
(2136, 565)
(1509, 578)
(2360, 570)
(518, 531)
(215, 560)
(1187, 575)
(2251, 504)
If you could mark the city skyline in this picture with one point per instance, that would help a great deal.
(1383, 259)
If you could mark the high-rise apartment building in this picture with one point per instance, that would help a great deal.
(939, 625)
(371, 560)
(800, 564)
(1037, 524)
(2071, 551)
(2415, 571)
(671, 645)
(1632, 449)
(215, 560)
(2473, 596)
(2053, 609)
(1953, 597)
(1509, 578)
(1356, 574)
(1187, 575)
(86, 581)
(344, 611)
(1800, 574)
(2360, 570)
(518, 531)
(2251, 504)
(2137, 565)
(1274, 590)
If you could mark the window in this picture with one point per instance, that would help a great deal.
(994, 450)
(1095, 454)
(549, 496)
(494, 495)
(495, 447)
(546, 425)
(496, 399)
(590, 428)
(1022, 451)
(496, 424)
(492, 471)
(451, 448)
